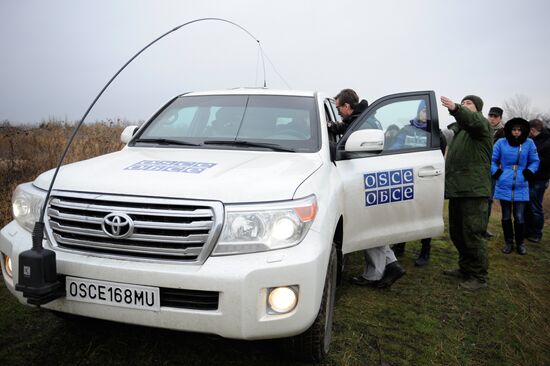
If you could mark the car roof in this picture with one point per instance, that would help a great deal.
(254, 91)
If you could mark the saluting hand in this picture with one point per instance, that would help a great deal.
(447, 103)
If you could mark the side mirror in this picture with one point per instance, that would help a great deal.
(371, 140)
(128, 133)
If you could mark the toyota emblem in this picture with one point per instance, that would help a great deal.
(118, 225)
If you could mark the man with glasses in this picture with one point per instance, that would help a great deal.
(349, 108)
(382, 268)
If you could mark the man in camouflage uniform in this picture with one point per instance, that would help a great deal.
(468, 187)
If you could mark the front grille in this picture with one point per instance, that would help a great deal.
(189, 299)
(146, 227)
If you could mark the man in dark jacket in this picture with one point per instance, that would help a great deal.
(495, 119)
(534, 213)
(349, 108)
(468, 187)
(382, 268)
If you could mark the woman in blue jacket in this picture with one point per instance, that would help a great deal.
(514, 163)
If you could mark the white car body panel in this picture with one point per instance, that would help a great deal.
(276, 174)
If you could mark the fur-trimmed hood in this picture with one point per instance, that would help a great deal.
(524, 125)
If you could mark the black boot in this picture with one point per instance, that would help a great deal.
(392, 273)
(424, 256)
(519, 231)
(508, 231)
(398, 249)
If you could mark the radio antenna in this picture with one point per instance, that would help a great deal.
(274, 68)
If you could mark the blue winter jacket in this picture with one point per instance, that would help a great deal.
(511, 184)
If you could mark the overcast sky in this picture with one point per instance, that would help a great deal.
(56, 55)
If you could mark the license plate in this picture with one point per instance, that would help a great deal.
(113, 293)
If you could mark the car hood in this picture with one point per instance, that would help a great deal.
(229, 176)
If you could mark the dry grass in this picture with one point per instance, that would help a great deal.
(27, 152)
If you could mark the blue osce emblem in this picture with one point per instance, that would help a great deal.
(191, 167)
(388, 186)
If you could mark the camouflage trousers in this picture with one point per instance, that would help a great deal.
(468, 220)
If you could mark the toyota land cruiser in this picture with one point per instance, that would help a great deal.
(229, 212)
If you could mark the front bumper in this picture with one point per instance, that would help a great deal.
(241, 281)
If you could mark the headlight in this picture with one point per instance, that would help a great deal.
(268, 226)
(26, 203)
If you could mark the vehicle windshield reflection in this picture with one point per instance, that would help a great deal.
(275, 122)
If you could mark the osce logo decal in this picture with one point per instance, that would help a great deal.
(388, 186)
(171, 166)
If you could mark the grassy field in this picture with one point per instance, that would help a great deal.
(27, 152)
(424, 319)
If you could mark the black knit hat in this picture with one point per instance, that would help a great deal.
(495, 111)
(476, 100)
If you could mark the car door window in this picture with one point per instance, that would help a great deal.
(407, 122)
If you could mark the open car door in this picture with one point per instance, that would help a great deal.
(391, 163)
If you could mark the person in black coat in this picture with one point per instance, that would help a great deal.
(534, 213)
(349, 108)
(495, 119)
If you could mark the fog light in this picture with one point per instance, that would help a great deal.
(282, 300)
(7, 265)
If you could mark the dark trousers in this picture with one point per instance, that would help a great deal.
(467, 226)
(534, 213)
(517, 208)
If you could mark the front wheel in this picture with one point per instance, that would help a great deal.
(314, 343)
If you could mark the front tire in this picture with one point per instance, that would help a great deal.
(313, 345)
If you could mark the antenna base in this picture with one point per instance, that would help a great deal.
(38, 273)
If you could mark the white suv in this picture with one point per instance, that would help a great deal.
(229, 212)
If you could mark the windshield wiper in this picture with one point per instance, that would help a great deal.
(168, 142)
(267, 145)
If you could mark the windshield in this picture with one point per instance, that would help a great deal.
(281, 123)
